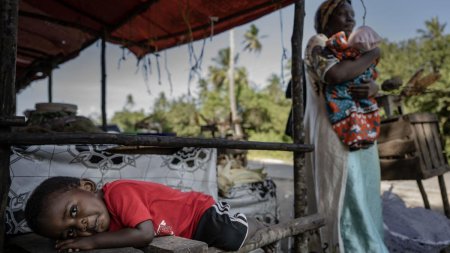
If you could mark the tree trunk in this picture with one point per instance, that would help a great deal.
(235, 120)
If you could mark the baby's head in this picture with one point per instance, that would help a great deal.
(364, 38)
(67, 207)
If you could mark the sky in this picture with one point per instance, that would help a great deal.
(78, 80)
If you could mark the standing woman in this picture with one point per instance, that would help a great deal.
(346, 183)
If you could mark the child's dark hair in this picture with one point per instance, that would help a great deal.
(36, 202)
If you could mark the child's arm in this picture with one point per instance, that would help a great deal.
(139, 236)
(348, 69)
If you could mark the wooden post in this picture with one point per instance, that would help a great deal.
(300, 244)
(426, 203)
(50, 86)
(8, 51)
(103, 91)
(443, 188)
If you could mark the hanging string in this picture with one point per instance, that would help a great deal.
(158, 68)
(169, 75)
(194, 61)
(283, 48)
(123, 58)
(146, 70)
(212, 20)
(365, 12)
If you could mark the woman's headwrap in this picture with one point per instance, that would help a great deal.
(324, 12)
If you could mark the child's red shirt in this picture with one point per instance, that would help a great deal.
(171, 211)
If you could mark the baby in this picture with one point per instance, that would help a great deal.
(131, 213)
(356, 121)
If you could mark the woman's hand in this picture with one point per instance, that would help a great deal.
(365, 90)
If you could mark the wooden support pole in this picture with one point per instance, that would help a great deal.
(103, 91)
(50, 86)
(144, 140)
(443, 189)
(300, 244)
(277, 232)
(426, 203)
(8, 51)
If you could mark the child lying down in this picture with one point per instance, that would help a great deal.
(131, 213)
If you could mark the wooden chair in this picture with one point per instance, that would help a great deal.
(410, 148)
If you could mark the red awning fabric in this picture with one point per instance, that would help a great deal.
(54, 31)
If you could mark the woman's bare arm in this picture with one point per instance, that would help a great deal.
(348, 69)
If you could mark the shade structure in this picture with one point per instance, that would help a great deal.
(54, 31)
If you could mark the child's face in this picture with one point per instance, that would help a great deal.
(342, 19)
(74, 213)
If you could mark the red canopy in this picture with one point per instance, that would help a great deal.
(54, 31)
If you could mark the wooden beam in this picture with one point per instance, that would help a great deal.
(277, 232)
(33, 243)
(12, 121)
(50, 86)
(144, 140)
(103, 82)
(8, 49)
(175, 244)
(300, 202)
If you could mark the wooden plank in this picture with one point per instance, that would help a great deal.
(431, 144)
(423, 148)
(396, 148)
(145, 140)
(422, 118)
(400, 169)
(12, 121)
(274, 233)
(397, 129)
(34, 243)
(436, 172)
(175, 244)
(437, 140)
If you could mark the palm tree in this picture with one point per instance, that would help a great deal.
(435, 40)
(235, 119)
(252, 40)
(252, 43)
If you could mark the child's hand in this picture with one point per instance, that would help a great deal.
(75, 244)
